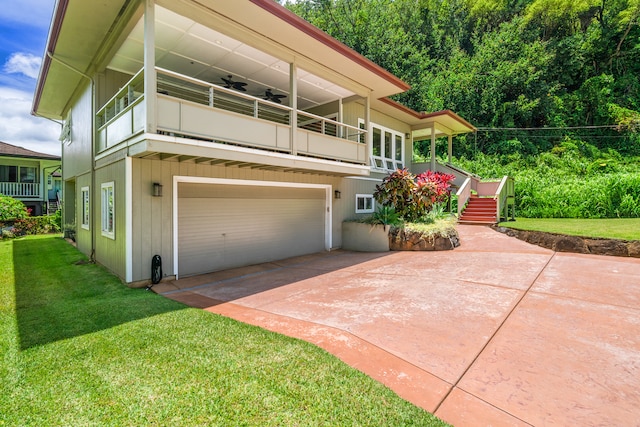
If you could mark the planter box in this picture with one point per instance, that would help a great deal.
(357, 236)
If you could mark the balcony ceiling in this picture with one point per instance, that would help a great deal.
(85, 36)
(190, 48)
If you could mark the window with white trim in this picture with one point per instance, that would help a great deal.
(364, 203)
(387, 151)
(65, 133)
(107, 210)
(85, 207)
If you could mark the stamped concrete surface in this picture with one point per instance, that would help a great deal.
(497, 332)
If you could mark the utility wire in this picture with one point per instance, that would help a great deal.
(552, 128)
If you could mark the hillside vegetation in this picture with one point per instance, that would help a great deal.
(552, 85)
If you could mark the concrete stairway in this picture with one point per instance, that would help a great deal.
(479, 210)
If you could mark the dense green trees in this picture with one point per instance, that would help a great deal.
(569, 67)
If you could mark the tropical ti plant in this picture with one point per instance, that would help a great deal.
(413, 196)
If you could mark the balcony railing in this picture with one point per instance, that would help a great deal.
(123, 115)
(198, 109)
(20, 189)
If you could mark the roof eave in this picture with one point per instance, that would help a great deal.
(299, 23)
(416, 117)
(59, 11)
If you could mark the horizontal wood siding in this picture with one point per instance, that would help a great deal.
(77, 153)
(351, 112)
(111, 252)
(345, 208)
(354, 111)
(153, 233)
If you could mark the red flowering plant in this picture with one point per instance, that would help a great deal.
(412, 197)
(442, 183)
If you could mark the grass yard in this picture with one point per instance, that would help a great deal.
(617, 228)
(79, 348)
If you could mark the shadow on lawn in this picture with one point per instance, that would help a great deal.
(58, 296)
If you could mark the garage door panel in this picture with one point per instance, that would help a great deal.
(218, 233)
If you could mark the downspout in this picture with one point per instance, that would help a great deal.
(92, 255)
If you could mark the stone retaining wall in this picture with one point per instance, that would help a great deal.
(576, 244)
(401, 239)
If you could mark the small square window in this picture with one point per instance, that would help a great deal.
(364, 203)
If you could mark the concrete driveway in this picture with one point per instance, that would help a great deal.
(497, 332)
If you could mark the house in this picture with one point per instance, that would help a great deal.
(218, 133)
(31, 177)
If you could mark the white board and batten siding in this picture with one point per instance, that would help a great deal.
(222, 223)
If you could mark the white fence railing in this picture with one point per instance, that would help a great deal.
(20, 189)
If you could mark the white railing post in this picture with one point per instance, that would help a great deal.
(501, 196)
(463, 194)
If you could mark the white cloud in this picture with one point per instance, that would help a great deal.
(19, 127)
(23, 63)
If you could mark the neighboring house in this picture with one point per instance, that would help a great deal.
(217, 133)
(31, 177)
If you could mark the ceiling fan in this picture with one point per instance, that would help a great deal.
(270, 96)
(230, 84)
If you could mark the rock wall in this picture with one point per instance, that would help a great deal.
(401, 239)
(576, 244)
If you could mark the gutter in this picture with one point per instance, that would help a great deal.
(59, 12)
(92, 198)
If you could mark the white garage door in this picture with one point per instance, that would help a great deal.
(226, 226)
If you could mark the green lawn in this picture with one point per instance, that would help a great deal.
(79, 348)
(617, 228)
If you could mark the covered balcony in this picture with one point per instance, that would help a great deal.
(211, 98)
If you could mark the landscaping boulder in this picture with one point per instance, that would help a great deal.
(401, 239)
(570, 244)
(633, 249)
(607, 247)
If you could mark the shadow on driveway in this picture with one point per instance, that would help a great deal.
(208, 290)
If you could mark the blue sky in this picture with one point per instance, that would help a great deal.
(24, 26)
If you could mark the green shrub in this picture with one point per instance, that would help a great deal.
(573, 180)
(11, 209)
(57, 219)
(36, 225)
(385, 215)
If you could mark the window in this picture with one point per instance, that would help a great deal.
(65, 133)
(387, 148)
(364, 203)
(8, 173)
(85, 208)
(26, 174)
(108, 213)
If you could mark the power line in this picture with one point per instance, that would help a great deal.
(551, 128)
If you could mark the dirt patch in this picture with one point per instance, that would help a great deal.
(576, 244)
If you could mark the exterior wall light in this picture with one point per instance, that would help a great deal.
(337, 194)
(157, 189)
